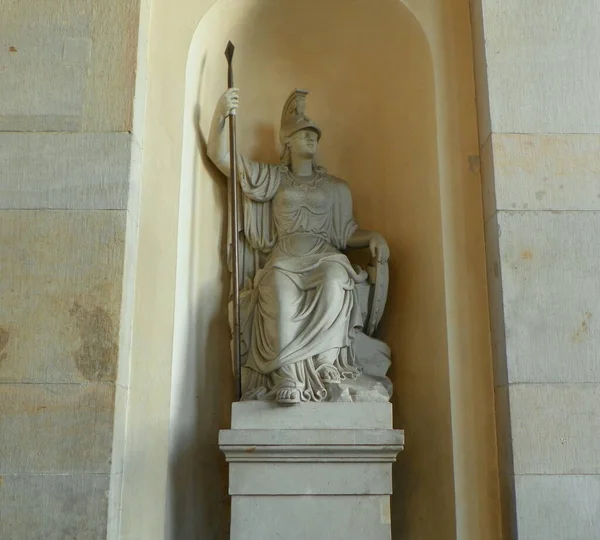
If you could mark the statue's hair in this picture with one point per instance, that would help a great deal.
(286, 156)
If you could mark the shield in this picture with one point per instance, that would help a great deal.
(379, 278)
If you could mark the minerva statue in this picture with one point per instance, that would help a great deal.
(304, 307)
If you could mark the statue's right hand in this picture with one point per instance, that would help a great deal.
(228, 102)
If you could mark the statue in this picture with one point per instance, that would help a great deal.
(303, 306)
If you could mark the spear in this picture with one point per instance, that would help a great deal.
(237, 357)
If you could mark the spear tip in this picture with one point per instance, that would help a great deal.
(229, 52)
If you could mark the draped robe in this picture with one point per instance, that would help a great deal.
(299, 307)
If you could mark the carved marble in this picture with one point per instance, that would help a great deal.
(307, 313)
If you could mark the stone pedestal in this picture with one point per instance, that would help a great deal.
(314, 470)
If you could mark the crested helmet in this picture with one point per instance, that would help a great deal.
(293, 117)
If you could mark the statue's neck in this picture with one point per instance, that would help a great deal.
(302, 167)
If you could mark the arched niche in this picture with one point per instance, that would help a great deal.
(370, 74)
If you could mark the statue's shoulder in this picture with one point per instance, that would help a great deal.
(339, 183)
(322, 171)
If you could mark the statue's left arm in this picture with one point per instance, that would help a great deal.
(362, 238)
(346, 233)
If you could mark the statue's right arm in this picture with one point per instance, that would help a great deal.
(218, 139)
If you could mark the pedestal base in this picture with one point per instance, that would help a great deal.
(315, 470)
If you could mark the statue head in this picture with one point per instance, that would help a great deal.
(299, 135)
(303, 143)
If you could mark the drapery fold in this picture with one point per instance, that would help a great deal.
(299, 304)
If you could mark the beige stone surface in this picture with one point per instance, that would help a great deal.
(39, 85)
(67, 65)
(64, 171)
(260, 479)
(56, 428)
(108, 101)
(53, 507)
(509, 514)
(555, 428)
(558, 507)
(504, 431)
(537, 76)
(480, 68)
(495, 300)
(541, 75)
(546, 172)
(488, 179)
(60, 295)
(550, 265)
(331, 517)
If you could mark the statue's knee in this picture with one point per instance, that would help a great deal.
(274, 281)
(335, 274)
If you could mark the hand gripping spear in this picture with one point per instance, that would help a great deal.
(237, 357)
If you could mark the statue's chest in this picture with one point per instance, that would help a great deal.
(292, 196)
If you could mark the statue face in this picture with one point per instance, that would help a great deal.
(304, 143)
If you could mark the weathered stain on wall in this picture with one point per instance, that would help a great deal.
(96, 357)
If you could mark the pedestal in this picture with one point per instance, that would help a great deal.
(314, 470)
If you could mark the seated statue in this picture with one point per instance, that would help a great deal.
(300, 307)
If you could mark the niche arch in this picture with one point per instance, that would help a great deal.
(178, 395)
(370, 73)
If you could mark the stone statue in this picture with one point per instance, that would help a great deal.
(302, 309)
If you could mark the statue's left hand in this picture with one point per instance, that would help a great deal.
(379, 248)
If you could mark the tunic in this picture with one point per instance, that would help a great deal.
(302, 310)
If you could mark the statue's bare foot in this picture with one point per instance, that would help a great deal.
(329, 374)
(288, 396)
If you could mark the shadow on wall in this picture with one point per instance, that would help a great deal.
(370, 73)
(203, 389)
(199, 503)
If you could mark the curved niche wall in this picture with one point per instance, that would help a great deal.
(369, 71)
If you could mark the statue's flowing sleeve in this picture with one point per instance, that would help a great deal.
(342, 223)
(259, 183)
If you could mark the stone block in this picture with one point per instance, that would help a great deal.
(68, 65)
(68, 331)
(496, 306)
(558, 507)
(503, 429)
(258, 479)
(487, 179)
(258, 439)
(480, 67)
(550, 263)
(64, 171)
(282, 474)
(546, 172)
(110, 83)
(53, 507)
(555, 428)
(508, 507)
(40, 89)
(541, 76)
(343, 518)
(56, 428)
(250, 415)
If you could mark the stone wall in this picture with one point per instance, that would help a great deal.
(67, 69)
(539, 111)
